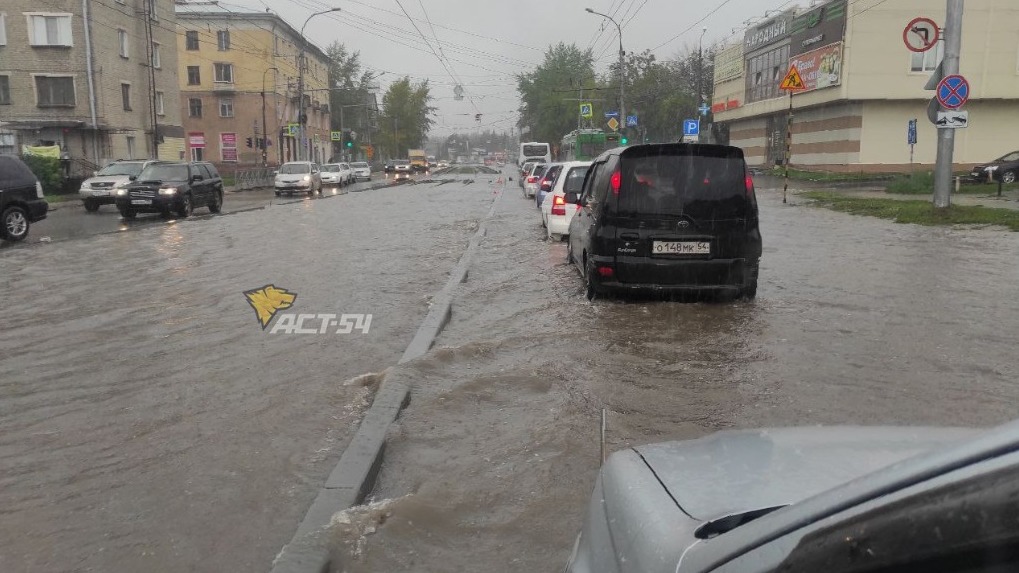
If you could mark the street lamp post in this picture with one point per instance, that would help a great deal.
(700, 74)
(622, 72)
(301, 119)
(265, 126)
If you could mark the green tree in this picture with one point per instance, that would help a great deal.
(406, 117)
(546, 109)
(349, 91)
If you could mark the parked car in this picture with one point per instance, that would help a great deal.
(668, 217)
(1004, 169)
(560, 205)
(298, 177)
(546, 182)
(336, 175)
(533, 176)
(835, 500)
(21, 199)
(101, 189)
(172, 187)
(362, 172)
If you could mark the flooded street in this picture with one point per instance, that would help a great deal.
(857, 321)
(149, 423)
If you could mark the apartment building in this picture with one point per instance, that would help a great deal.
(96, 77)
(864, 86)
(239, 87)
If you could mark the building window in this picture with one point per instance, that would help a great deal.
(5, 90)
(194, 75)
(197, 154)
(927, 61)
(3, 29)
(125, 96)
(7, 142)
(226, 108)
(54, 91)
(223, 40)
(191, 40)
(130, 147)
(160, 104)
(157, 58)
(49, 29)
(195, 107)
(224, 73)
(122, 43)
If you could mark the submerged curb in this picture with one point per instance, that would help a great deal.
(358, 468)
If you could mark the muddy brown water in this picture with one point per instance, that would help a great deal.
(858, 321)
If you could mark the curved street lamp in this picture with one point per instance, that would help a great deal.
(301, 119)
(622, 74)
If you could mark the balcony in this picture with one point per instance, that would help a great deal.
(223, 87)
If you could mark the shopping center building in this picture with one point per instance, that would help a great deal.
(863, 86)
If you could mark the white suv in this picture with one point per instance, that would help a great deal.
(298, 177)
(101, 189)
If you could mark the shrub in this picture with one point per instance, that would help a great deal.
(47, 169)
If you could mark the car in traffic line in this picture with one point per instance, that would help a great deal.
(811, 499)
(1004, 169)
(524, 170)
(21, 199)
(298, 177)
(402, 169)
(335, 175)
(101, 189)
(668, 218)
(531, 181)
(560, 205)
(362, 171)
(545, 183)
(172, 187)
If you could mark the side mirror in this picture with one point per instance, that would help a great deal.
(132, 177)
(95, 174)
(274, 172)
(573, 198)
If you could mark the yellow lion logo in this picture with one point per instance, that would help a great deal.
(269, 300)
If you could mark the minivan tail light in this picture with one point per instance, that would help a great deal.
(616, 181)
(532, 179)
(605, 272)
(749, 182)
(558, 206)
(546, 184)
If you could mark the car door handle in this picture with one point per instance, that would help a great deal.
(629, 236)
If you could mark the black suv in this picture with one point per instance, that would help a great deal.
(21, 200)
(174, 187)
(670, 217)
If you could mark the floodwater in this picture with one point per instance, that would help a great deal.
(857, 321)
(149, 423)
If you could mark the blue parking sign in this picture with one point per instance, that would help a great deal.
(691, 127)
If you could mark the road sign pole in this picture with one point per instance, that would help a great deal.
(788, 146)
(946, 137)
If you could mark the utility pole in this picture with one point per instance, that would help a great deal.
(150, 52)
(946, 137)
(265, 126)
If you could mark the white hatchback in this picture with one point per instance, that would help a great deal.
(557, 210)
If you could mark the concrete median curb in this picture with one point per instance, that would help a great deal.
(355, 474)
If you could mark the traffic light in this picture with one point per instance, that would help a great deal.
(249, 142)
(348, 139)
(623, 140)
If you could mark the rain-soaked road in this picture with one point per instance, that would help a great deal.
(148, 423)
(858, 321)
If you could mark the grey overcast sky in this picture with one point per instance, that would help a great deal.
(486, 42)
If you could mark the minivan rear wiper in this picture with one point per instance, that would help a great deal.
(725, 524)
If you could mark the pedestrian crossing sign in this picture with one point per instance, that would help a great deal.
(793, 81)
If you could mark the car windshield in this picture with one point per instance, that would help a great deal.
(330, 168)
(359, 165)
(1014, 156)
(121, 169)
(295, 168)
(164, 172)
(535, 150)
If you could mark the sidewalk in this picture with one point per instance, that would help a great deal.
(1009, 200)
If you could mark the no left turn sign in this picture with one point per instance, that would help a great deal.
(921, 34)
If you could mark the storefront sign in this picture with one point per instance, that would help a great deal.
(768, 33)
(729, 64)
(820, 26)
(196, 139)
(820, 68)
(228, 146)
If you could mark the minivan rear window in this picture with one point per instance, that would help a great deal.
(680, 183)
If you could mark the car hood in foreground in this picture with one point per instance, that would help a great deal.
(734, 472)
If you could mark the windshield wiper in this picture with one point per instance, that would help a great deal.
(726, 524)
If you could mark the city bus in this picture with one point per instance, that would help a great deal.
(586, 144)
(534, 151)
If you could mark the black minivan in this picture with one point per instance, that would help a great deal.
(667, 217)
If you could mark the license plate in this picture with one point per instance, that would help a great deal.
(141, 201)
(681, 247)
